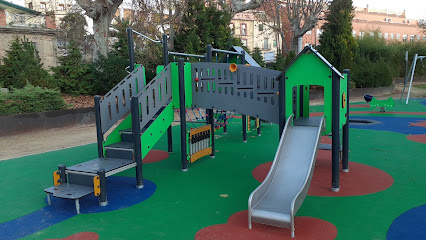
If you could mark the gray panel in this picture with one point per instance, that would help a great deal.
(277, 200)
(70, 191)
(250, 90)
(116, 103)
(154, 96)
(94, 165)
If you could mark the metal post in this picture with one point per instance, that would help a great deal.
(131, 49)
(281, 104)
(243, 57)
(166, 62)
(99, 134)
(259, 131)
(209, 58)
(412, 75)
(62, 173)
(211, 122)
(335, 105)
(244, 118)
(136, 131)
(345, 141)
(183, 142)
(103, 201)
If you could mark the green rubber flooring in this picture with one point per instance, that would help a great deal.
(186, 202)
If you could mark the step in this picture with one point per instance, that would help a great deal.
(69, 191)
(127, 134)
(111, 166)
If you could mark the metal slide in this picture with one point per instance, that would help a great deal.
(280, 195)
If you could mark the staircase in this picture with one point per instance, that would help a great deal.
(147, 114)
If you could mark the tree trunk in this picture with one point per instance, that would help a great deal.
(101, 35)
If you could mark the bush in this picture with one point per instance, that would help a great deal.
(367, 73)
(30, 99)
(72, 76)
(282, 61)
(22, 65)
(109, 71)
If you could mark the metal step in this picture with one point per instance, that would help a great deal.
(69, 191)
(111, 166)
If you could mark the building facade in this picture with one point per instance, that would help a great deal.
(59, 7)
(19, 22)
(255, 33)
(392, 26)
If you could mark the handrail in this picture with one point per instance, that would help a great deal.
(155, 95)
(186, 55)
(225, 51)
(142, 35)
(116, 103)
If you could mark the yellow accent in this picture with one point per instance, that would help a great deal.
(257, 122)
(248, 64)
(200, 154)
(248, 123)
(96, 186)
(344, 100)
(56, 178)
(197, 130)
(233, 67)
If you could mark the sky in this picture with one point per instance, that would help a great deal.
(415, 9)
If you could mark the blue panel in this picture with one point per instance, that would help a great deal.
(409, 225)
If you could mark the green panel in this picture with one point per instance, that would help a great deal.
(154, 132)
(114, 136)
(175, 84)
(309, 70)
(343, 90)
(306, 100)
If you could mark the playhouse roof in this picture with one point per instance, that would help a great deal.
(310, 48)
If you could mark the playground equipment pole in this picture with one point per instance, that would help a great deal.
(209, 58)
(412, 75)
(345, 141)
(335, 98)
(99, 134)
(103, 196)
(183, 148)
(131, 50)
(136, 128)
(166, 62)
(244, 117)
(281, 103)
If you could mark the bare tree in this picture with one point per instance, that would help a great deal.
(102, 13)
(237, 6)
(303, 15)
(422, 24)
(292, 18)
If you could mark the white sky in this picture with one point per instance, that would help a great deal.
(415, 9)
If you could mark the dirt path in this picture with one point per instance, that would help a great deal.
(55, 139)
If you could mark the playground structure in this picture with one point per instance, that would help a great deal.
(147, 111)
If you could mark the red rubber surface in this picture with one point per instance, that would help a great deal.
(81, 235)
(419, 124)
(360, 180)
(155, 156)
(421, 138)
(237, 229)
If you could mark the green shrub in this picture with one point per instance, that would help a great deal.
(22, 65)
(30, 99)
(367, 73)
(72, 76)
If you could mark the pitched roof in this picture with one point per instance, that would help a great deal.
(310, 48)
(13, 8)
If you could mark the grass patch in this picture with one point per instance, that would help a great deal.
(422, 86)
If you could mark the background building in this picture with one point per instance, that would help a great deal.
(18, 22)
(255, 33)
(393, 26)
